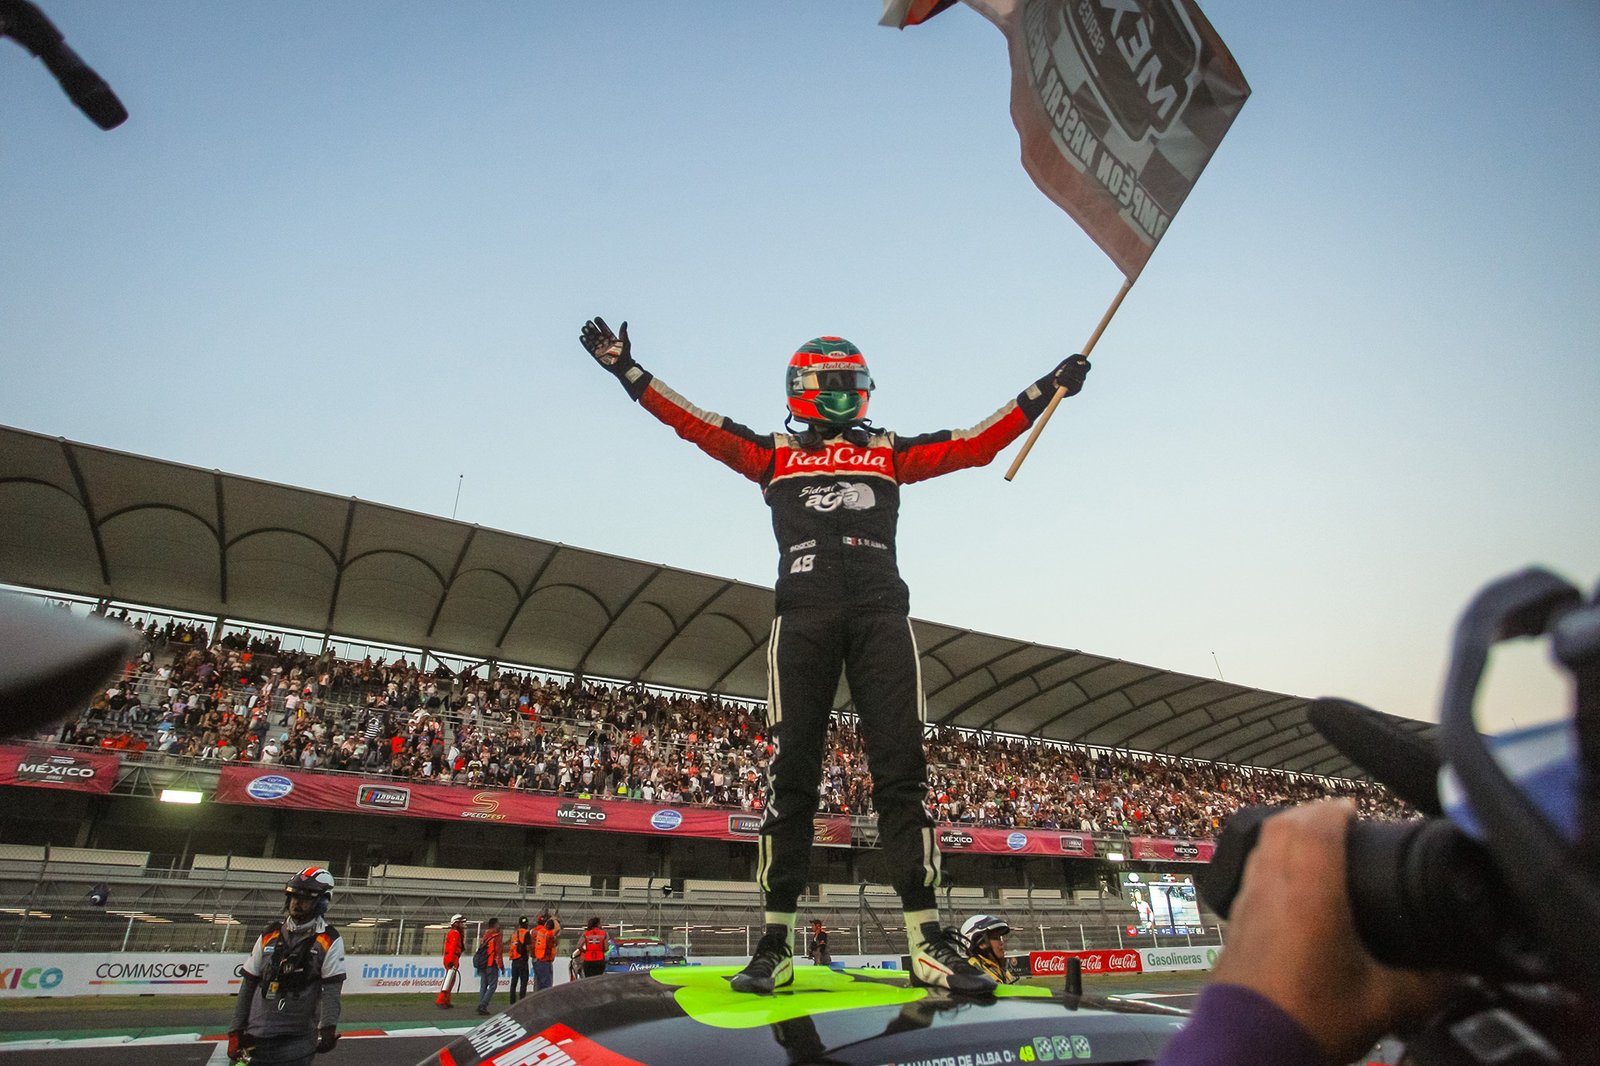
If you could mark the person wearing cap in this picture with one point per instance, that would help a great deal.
(546, 932)
(833, 483)
(985, 937)
(454, 943)
(519, 950)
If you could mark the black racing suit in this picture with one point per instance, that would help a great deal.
(841, 608)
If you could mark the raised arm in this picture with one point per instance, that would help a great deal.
(931, 454)
(734, 445)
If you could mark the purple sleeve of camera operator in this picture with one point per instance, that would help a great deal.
(1233, 1026)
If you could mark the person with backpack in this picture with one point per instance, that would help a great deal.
(487, 960)
(288, 1006)
(454, 945)
(520, 952)
(546, 932)
(594, 944)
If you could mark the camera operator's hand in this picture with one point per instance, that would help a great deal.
(1292, 938)
(238, 1043)
(327, 1036)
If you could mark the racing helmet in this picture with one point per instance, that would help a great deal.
(979, 928)
(827, 383)
(313, 882)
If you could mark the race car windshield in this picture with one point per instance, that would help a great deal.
(833, 380)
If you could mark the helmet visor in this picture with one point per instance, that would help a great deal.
(832, 380)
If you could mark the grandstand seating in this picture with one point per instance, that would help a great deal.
(247, 869)
(77, 862)
(396, 876)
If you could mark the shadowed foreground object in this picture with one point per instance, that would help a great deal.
(51, 662)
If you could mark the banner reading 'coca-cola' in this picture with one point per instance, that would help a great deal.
(1015, 841)
(78, 771)
(262, 786)
(1171, 850)
(1054, 963)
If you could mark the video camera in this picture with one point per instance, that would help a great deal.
(1500, 881)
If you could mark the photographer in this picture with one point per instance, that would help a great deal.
(288, 1006)
(1294, 984)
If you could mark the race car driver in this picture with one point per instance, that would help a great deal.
(833, 486)
(985, 938)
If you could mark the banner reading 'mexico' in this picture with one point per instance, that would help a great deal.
(1015, 841)
(76, 771)
(1171, 850)
(1119, 104)
(270, 787)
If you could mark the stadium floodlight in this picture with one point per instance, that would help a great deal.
(1115, 856)
(181, 795)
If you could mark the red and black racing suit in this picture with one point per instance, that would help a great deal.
(841, 607)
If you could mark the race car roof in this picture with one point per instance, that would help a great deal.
(90, 521)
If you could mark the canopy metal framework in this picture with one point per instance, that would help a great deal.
(90, 521)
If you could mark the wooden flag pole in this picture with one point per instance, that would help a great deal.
(1094, 338)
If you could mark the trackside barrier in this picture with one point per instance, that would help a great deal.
(1125, 960)
(26, 975)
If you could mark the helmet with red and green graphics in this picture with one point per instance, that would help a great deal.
(828, 383)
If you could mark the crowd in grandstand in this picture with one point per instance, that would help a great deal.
(247, 699)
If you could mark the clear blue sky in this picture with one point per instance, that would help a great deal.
(349, 246)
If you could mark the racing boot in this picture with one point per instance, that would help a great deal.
(772, 965)
(939, 962)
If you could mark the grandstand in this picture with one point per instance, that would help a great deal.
(574, 670)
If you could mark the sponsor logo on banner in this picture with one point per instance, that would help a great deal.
(582, 814)
(744, 825)
(383, 797)
(150, 973)
(1073, 844)
(269, 787)
(485, 808)
(954, 839)
(1055, 962)
(1016, 841)
(1178, 958)
(29, 978)
(38, 767)
(667, 819)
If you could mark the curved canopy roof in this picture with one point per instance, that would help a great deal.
(94, 522)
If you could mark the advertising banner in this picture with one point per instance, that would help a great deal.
(1163, 850)
(1172, 960)
(75, 771)
(263, 786)
(1054, 963)
(26, 975)
(955, 838)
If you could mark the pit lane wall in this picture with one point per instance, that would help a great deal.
(27, 975)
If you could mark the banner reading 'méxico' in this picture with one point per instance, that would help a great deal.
(1015, 841)
(1171, 850)
(79, 771)
(263, 786)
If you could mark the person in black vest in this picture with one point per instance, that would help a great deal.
(288, 1006)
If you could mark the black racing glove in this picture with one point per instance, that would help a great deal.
(327, 1036)
(611, 351)
(1070, 373)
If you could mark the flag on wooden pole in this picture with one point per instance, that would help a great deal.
(1119, 104)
